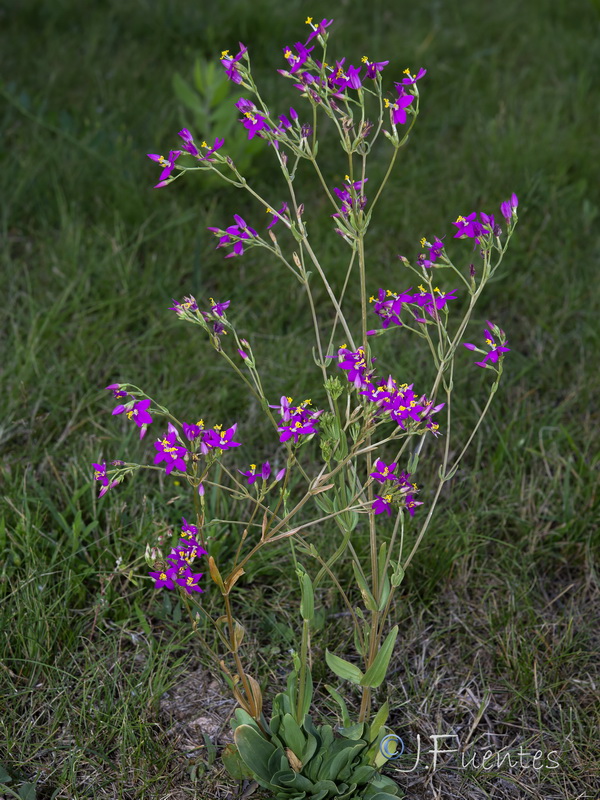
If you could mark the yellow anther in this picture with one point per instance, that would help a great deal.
(218, 427)
(439, 291)
(371, 299)
(489, 341)
(365, 60)
(406, 71)
(224, 53)
(308, 21)
(386, 102)
(347, 178)
(421, 288)
(269, 210)
(200, 423)
(288, 53)
(423, 242)
(388, 292)
(460, 219)
(387, 497)
(252, 466)
(163, 576)
(289, 399)
(204, 144)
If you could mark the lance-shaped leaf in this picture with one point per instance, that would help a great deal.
(374, 676)
(344, 669)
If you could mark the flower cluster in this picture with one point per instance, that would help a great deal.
(177, 571)
(169, 164)
(399, 401)
(397, 489)
(296, 421)
(496, 349)
(475, 226)
(388, 304)
(351, 196)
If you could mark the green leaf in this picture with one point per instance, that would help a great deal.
(367, 597)
(374, 676)
(344, 669)
(380, 720)
(307, 603)
(198, 76)
(27, 791)
(341, 703)
(353, 732)
(185, 93)
(233, 763)
(255, 751)
(292, 735)
(4, 776)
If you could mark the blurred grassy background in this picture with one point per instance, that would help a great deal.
(91, 257)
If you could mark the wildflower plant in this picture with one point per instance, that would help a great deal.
(370, 427)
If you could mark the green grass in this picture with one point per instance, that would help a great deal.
(499, 610)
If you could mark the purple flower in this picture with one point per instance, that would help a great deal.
(189, 581)
(373, 67)
(384, 472)
(468, 227)
(218, 308)
(399, 106)
(410, 79)
(138, 412)
(351, 196)
(115, 388)
(100, 475)
(188, 531)
(168, 166)
(277, 216)
(381, 504)
(230, 63)
(221, 440)
(298, 59)
(188, 304)
(164, 578)
(434, 251)
(216, 146)
(192, 432)
(188, 142)
(170, 452)
(253, 475)
(496, 349)
(296, 420)
(236, 234)
(431, 301)
(355, 365)
(318, 29)
(508, 208)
